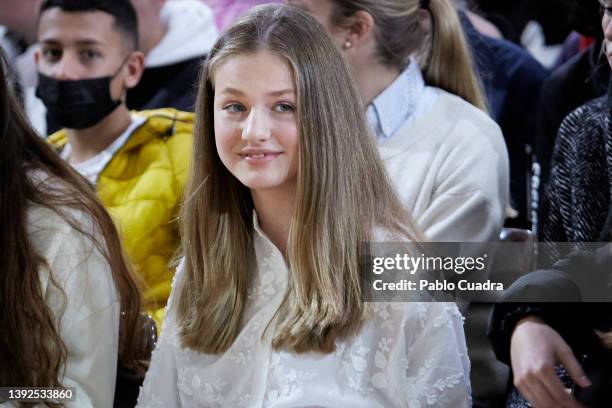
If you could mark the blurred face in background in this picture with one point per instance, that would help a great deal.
(20, 16)
(355, 37)
(322, 11)
(150, 28)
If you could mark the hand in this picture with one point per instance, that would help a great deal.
(535, 350)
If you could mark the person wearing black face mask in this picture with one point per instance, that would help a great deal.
(86, 62)
(78, 104)
(136, 161)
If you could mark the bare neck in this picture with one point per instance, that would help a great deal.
(274, 211)
(372, 78)
(87, 143)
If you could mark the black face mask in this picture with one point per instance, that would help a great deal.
(77, 104)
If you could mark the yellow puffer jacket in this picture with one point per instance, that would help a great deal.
(141, 188)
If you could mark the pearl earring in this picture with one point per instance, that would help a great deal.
(347, 45)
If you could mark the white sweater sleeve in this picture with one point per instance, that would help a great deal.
(451, 170)
(471, 196)
(462, 216)
(88, 310)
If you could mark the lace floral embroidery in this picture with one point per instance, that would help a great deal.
(194, 389)
(420, 387)
(405, 355)
(354, 358)
(288, 380)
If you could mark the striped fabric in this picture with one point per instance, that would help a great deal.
(577, 197)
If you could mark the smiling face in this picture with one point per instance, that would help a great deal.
(255, 120)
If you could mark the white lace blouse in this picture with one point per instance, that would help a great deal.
(406, 355)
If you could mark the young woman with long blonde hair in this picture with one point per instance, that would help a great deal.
(286, 184)
(414, 72)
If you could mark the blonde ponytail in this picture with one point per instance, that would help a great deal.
(449, 64)
(443, 53)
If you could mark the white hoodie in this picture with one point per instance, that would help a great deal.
(191, 33)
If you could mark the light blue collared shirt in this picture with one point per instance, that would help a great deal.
(401, 103)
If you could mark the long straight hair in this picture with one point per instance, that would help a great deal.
(443, 52)
(343, 192)
(32, 352)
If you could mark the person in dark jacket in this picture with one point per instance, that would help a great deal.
(580, 185)
(578, 193)
(536, 337)
(582, 78)
(552, 346)
(512, 80)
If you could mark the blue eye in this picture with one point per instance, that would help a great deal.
(234, 108)
(284, 107)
